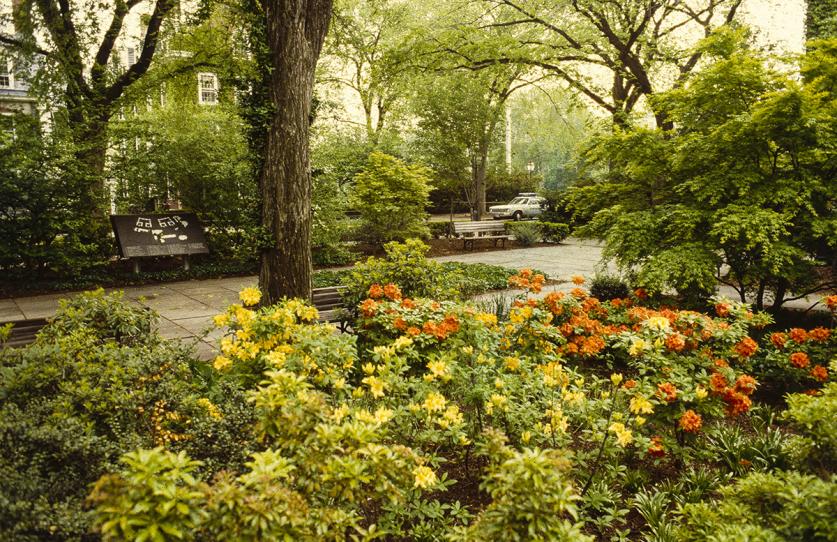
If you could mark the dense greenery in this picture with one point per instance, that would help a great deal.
(740, 191)
(391, 197)
(43, 220)
(573, 419)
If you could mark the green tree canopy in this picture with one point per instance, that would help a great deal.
(742, 190)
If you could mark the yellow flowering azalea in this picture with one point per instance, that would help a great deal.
(424, 477)
(250, 296)
(434, 402)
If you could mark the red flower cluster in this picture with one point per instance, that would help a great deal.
(656, 449)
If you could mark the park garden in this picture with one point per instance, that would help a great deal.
(444, 401)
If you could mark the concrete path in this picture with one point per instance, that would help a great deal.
(186, 308)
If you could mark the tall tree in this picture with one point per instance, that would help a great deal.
(76, 42)
(366, 43)
(614, 53)
(296, 30)
(459, 114)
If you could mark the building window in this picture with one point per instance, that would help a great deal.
(207, 88)
(6, 79)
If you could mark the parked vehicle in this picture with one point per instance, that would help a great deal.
(525, 205)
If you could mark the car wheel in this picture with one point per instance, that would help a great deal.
(517, 216)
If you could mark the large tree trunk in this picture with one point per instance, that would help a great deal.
(295, 33)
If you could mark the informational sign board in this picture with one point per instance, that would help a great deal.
(167, 234)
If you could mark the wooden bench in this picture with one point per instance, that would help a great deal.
(23, 332)
(472, 231)
(329, 303)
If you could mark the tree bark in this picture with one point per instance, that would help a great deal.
(296, 30)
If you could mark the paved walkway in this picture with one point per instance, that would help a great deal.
(186, 308)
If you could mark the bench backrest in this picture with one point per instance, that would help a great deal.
(328, 298)
(468, 227)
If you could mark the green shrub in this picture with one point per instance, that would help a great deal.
(816, 418)
(98, 383)
(104, 316)
(391, 197)
(784, 506)
(607, 287)
(525, 233)
(439, 230)
(406, 264)
(530, 500)
(45, 226)
(554, 232)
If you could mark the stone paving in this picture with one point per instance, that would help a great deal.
(186, 308)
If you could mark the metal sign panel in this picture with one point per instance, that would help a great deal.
(167, 234)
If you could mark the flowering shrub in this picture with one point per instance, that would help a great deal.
(560, 414)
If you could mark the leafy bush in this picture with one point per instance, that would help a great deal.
(816, 418)
(406, 264)
(607, 287)
(96, 384)
(525, 233)
(782, 506)
(553, 232)
(45, 225)
(439, 230)
(740, 187)
(391, 197)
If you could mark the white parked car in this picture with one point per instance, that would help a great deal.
(525, 205)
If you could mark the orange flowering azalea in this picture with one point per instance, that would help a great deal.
(746, 347)
(799, 359)
(819, 334)
(737, 403)
(368, 308)
(656, 449)
(375, 291)
(629, 384)
(745, 384)
(408, 303)
(675, 342)
(819, 373)
(392, 292)
(667, 392)
(722, 310)
(831, 302)
(778, 339)
(718, 383)
(413, 331)
(400, 324)
(577, 279)
(690, 421)
(798, 335)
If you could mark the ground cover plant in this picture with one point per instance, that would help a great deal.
(572, 419)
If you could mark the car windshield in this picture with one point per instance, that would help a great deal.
(518, 201)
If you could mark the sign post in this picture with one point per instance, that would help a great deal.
(167, 234)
